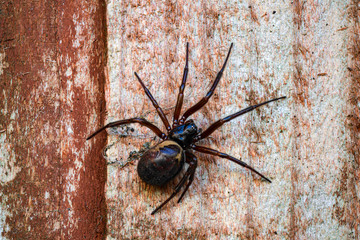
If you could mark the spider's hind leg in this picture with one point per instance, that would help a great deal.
(141, 121)
(214, 152)
(189, 174)
(192, 161)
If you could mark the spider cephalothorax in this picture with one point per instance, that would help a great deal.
(163, 162)
(184, 134)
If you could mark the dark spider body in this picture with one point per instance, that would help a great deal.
(164, 161)
(184, 134)
(161, 163)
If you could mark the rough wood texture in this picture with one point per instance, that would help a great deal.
(52, 72)
(54, 89)
(308, 144)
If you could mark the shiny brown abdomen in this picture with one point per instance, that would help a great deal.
(161, 163)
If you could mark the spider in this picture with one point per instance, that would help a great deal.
(163, 162)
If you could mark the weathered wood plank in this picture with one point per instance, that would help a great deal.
(52, 72)
(304, 144)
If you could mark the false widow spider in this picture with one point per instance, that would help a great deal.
(163, 162)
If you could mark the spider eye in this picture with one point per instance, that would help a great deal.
(191, 128)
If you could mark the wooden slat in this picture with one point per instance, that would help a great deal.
(52, 59)
(303, 143)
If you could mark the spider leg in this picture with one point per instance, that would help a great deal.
(224, 155)
(177, 189)
(192, 161)
(141, 121)
(156, 105)
(220, 122)
(205, 99)
(181, 90)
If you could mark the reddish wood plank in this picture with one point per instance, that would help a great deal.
(52, 81)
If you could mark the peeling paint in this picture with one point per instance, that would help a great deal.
(8, 170)
(3, 63)
(56, 187)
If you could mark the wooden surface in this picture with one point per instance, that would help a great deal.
(57, 77)
(306, 144)
(52, 58)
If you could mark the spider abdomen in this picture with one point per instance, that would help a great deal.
(161, 163)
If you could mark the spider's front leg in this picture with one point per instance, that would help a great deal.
(198, 135)
(205, 99)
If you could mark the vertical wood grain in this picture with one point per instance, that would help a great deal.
(306, 144)
(67, 68)
(52, 81)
